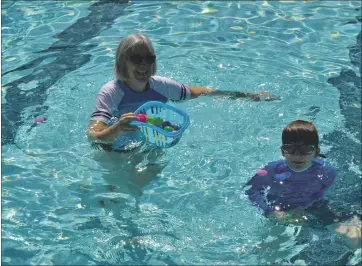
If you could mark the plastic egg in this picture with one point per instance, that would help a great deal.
(166, 124)
(158, 121)
(168, 129)
(262, 172)
(176, 127)
(142, 117)
(39, 120)
(151, 120)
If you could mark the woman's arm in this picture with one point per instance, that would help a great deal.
(198, 91)
(100, 132)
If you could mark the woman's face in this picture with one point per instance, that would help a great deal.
(139, 64)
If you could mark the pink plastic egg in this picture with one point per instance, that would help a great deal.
(142, 117)
(39, 120)
(262, 172)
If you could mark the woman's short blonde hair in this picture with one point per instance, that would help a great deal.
(125, 48)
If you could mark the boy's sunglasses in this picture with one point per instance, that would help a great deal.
(303, 149)
(137, 59)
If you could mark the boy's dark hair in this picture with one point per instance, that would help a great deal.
(300, 131)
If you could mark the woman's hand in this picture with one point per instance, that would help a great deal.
(123, 123)
(99, 131)
(264, 96)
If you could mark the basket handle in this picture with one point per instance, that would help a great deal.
(135, 123)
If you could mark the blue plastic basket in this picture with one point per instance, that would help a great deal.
(157, 135)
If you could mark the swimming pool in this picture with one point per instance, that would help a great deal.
(62, 205)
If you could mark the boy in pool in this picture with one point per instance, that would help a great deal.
(292, 188)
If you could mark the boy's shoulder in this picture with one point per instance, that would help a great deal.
(319, 161)
(323, 164)
(276, 165)
(272, 168)
(329, 169)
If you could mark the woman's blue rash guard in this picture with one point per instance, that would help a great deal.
(286, 189)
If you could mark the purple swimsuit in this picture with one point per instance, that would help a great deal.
(284, 189)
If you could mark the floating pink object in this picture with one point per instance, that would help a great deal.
(39, 120)
(262, 172)
(142, 117)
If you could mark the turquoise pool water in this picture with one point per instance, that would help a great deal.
(66, 203)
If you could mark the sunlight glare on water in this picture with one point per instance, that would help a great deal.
(66, 203)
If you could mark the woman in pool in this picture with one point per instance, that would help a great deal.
(294, 188)
(135, 84)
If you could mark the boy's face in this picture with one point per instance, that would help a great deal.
(299, 156)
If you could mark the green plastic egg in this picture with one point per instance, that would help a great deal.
(195, 79)
(151, 120)
(158, 121)
(168, 128)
